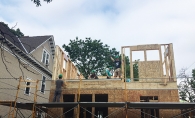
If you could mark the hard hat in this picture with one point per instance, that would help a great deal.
(60, 75)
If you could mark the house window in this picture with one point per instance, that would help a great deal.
(45, 57)
(43, 85)
(27, 89)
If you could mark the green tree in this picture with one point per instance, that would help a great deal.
(186, 87)
(16, 32)
(89, 55)
(127, 69)
(38, 2)
(135, 69)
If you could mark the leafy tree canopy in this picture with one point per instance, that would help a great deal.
(38, 2)
(16, 32)
(186, 87)
(90, 55)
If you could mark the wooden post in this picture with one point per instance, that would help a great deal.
(131, 66)
(78, 110)
(126, 110)
(145, 56)
(122, 66)
(93, 108)
(35, 100)
(75, 100)
(161, 63)
(15, 102)
(172, 62)
(124, 63)
(145, 59)
(166, 66)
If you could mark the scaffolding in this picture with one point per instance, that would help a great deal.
(121, 107)
(14, 105)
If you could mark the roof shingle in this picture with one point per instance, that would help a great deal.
(31, 43)
(5, 32)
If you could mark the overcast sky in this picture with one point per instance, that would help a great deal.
(116, 22)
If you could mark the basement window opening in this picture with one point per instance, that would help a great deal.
(152, 112)
(68, 98)
(101, 112)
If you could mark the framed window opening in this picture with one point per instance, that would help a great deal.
(43, 84)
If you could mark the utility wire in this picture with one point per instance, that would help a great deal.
(24, 90)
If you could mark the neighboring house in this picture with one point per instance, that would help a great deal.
(29, 57)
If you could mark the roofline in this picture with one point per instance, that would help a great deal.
(40, 45)
(22, 45)
(31, 65)
(30, 57)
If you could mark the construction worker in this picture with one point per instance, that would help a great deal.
(93, 75)
(117, 62)
(108, 72)
(59, 84)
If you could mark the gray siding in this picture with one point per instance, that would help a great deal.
(9, 94)
(37, 54)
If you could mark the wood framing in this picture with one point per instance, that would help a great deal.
(162, 68)
(63, 65)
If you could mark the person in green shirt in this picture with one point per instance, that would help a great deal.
(108, 72)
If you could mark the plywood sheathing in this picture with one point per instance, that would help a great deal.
(153, 69)
(116, 93)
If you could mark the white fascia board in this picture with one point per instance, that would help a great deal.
(22, 45)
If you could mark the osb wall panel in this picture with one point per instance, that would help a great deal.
(168, 113)
(119, 84)
(150, 69)
(118, 95)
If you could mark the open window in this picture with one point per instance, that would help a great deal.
(43, 84)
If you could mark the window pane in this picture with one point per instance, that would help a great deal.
(27, 90)
(47, 59)
(43, 84)
(44, 54)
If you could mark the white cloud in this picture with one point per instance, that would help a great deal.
(116, 23)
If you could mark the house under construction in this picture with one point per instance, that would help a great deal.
(153, 95)
(148, 96)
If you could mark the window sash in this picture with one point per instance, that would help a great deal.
(43, 84)
(45, 57)
(27, 89)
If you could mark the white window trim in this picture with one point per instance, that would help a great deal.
(47, 52)
(41, 84)
(29, 87)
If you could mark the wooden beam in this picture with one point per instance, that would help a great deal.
(131, 65)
